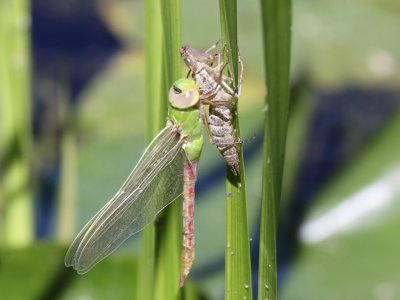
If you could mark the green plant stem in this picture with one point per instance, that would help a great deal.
(237, 256)
(276, 17)
(16, 139)
(168, 239)
(156, 104)
(67, 188)
(156, 112)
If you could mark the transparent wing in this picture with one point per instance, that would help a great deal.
(153, 184)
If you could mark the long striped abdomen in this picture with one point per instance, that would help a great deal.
(188, 239)
(220, 123)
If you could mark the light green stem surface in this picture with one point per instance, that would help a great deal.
(156, 114)
(15, 123)
(237, 255)
(168, 234)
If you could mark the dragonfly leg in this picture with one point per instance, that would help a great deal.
(220, 57)
(212, 47)
(206, 125)
(220, 66)
(215, 55)
(188, 240)
(228, 88)
(225, 49)
(220, 104)
(189, 72)
(238, 88)
(226, 80)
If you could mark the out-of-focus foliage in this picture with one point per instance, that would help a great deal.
(39, 273)
(16, 221)
(359, 259)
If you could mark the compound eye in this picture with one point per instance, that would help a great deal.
(183, 99)
(177, 90)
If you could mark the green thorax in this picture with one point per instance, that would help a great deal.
(190, 123)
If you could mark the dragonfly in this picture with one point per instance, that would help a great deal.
(166, 170)
(216, 92)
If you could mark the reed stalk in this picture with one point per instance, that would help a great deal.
(276, 20)
(15, 124)
(237, 255)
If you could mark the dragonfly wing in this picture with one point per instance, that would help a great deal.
(154, 183)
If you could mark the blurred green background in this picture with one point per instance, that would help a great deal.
(338, 237)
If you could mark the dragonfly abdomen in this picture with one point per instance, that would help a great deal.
(220, 123)
(188, 239)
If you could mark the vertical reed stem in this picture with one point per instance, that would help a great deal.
(237, 255)
(156, 112)
(16, 141)
(168, 243)
(276, 27)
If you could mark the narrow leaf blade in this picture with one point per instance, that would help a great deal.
(276, 17)
(237, 256)
(168, 238)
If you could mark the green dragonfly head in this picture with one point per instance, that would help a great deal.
(184, 93)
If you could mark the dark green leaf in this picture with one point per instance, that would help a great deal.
(276, 19)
